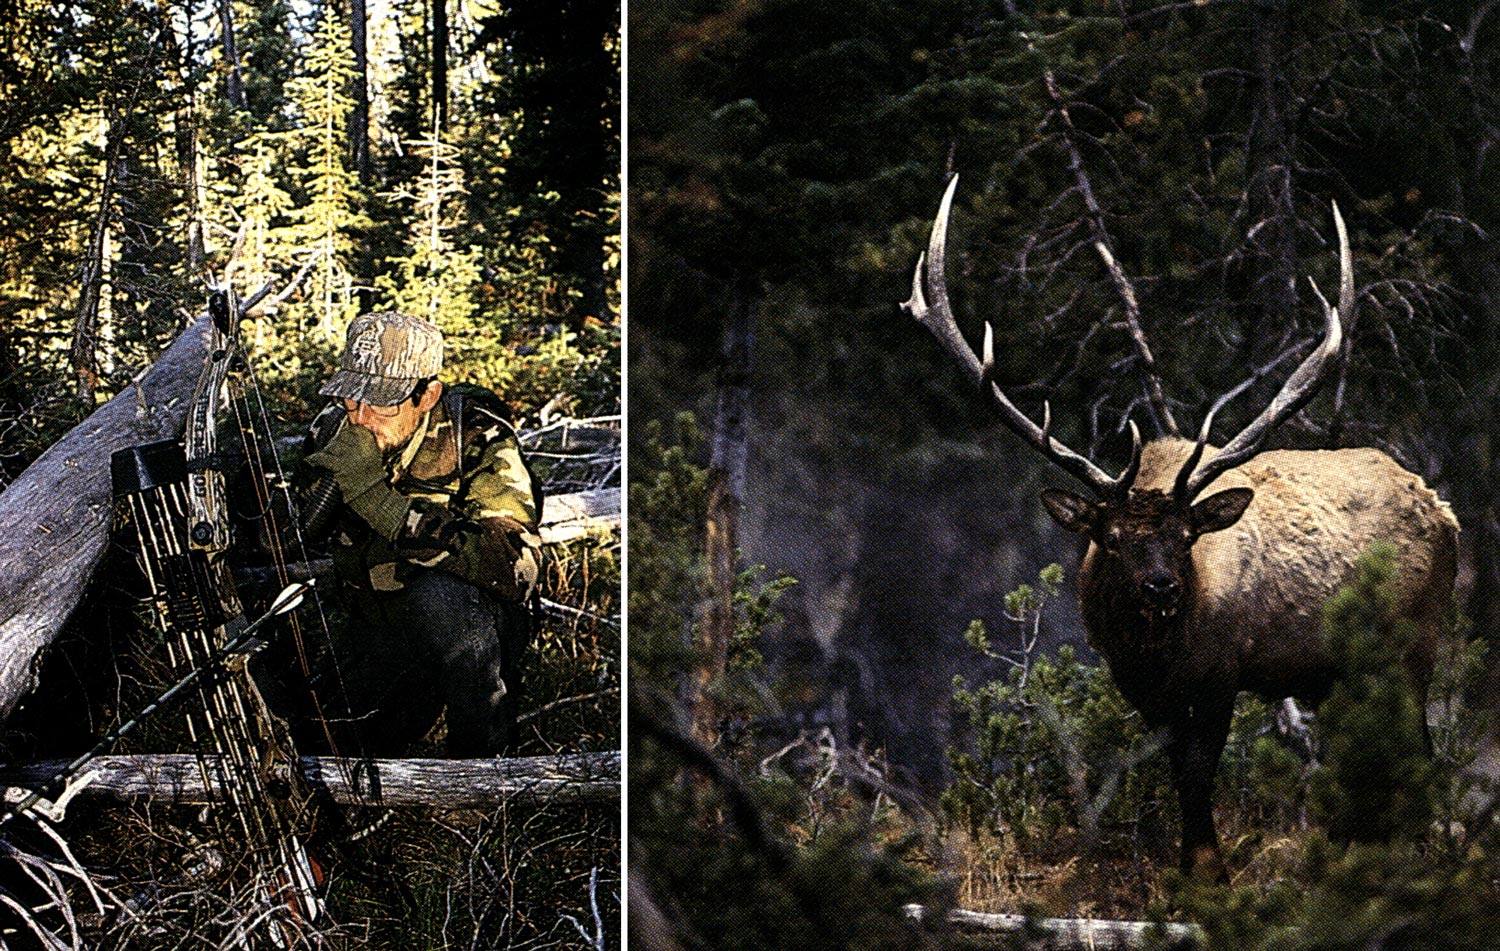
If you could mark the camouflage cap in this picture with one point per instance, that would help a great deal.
(385, 355)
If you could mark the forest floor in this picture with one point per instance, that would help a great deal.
(1062, 877)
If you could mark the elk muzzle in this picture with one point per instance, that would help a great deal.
(1161, 593)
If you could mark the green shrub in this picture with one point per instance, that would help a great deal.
(1054, 743)
(1380, 873)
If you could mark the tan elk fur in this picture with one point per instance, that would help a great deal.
(1262, 583)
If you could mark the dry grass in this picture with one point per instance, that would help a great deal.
(1065, 878)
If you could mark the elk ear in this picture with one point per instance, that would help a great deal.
(1073, 512)
(1221, 510)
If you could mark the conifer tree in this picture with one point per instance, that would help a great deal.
(436, 280)
(321, 93)
(1377, 782)
(268, 58)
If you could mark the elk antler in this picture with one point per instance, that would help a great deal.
(938, 318)
(1295, 393)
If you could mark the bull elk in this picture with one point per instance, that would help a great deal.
(1192, 600)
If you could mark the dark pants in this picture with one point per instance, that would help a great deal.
(440, 641)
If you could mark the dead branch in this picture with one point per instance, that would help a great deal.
(1150, 377)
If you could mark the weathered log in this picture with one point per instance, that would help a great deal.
(1073, 932)
(576, 514)
(176, 778)
(54, 518)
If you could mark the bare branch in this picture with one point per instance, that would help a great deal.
(1295, 393)
(939, 319)
(1150, 377)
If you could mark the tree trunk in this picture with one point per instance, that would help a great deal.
(54, 519)
(234, 84)
(1473, 447)
(359, 119)
(192, 182)
(1469, 430)
(446, 783)
(726, 479)
(585, 259)
(185, 132)
(1272, 215)
(359, 141)
(440, 63)
(81, 355)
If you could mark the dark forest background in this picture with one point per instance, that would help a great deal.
(786, 161)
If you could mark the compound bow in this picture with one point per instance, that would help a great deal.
(176, 493)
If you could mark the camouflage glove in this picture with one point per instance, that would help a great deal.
(432, 528)
(354, 461)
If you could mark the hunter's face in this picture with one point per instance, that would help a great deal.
(392, 426)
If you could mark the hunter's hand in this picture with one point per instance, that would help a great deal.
(354, 460)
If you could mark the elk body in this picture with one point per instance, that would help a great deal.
(1191, 600)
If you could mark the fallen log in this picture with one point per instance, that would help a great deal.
(1070, 933)
(176, 778)
(54, 518)
(576, 514)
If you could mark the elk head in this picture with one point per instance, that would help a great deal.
(1148, 538)
(1144, 536)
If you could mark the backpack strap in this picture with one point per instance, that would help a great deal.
(456, 399)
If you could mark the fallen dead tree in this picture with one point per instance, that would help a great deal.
(177, 778)
(54, 518)
(576, 514)
(1068, 933)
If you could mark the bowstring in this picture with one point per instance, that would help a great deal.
(220, 726)
(164, 546)
(252, 438)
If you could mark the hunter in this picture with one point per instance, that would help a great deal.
(434, 542)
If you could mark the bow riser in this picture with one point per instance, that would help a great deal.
(192, 585)
(209, 525)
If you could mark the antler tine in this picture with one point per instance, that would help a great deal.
(1346, 269)
(1180, 487)
(1295, 393)
(938, 318)
(1122, 485)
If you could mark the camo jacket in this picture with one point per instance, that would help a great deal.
(473, 510)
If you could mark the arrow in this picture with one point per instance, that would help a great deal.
(244, 642)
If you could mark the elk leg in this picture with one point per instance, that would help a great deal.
(1194, 746)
